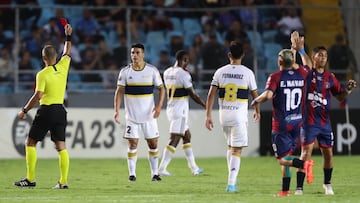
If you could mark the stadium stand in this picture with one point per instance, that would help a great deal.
(184, 23)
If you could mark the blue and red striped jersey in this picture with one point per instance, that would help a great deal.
(320, 87)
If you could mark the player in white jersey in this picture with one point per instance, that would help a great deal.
(136, 84)
(179, 87)
(233, 82)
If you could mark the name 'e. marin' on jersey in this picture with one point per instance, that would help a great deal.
(288, 87)
(234, 83)
(177, 80)
(139, 89)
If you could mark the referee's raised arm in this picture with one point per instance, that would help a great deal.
(67, 46)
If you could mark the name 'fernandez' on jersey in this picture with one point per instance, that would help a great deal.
(234, 83)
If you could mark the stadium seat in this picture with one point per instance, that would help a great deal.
(172, 33)
(36, 63)
(191, 24)
(8, 34)
(46, 14)
(74, 77)
(110, 38)
(155, 37)
(152, 52)
(177, 24)
(269, 35)
(191, 27)
(271, 51)
(256, 40)
(45, 2)
(24, 34)
(5, 89)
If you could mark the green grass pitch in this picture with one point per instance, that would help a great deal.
(106, 180)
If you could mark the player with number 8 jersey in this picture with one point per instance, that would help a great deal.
(233, 83)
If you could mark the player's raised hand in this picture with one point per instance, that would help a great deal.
(68, 29)
(351, 84)
(294, 35)
(297, 41)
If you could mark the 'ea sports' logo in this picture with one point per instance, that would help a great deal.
(20, 129)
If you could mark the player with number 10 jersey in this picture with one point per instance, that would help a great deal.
(288, 88)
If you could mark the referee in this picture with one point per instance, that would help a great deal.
(51, 116)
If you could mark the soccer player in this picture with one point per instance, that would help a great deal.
(179, 87)
(286, 87)
(136, 84)
(321, 84)
(233, 83)
(51, 116)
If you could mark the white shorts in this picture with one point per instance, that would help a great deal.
(148, 129)
(236, 136)
(179, 125)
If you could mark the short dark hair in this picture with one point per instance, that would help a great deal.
(236, 49)
(180, 55)
(138, 45)
(319, 48)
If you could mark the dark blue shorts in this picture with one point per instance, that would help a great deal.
(324, 136)
(284, 143)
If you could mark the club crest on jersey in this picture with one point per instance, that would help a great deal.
(327, 85)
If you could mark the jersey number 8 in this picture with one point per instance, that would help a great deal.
(230, 92)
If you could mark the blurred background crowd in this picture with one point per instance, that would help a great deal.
(105, 29)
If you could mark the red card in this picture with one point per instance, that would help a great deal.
(63, 21)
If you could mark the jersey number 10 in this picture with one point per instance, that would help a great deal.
(293, 98)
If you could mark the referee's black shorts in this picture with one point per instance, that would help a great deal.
(49, 118)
